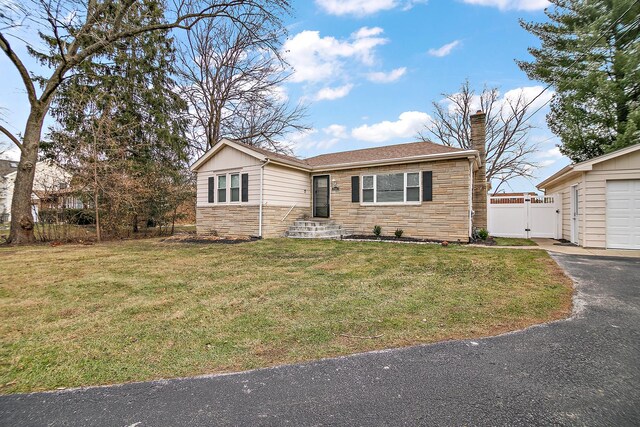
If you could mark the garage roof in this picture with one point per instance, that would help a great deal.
(587, 165)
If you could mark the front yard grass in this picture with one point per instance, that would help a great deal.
(140, 310)
(514, 241)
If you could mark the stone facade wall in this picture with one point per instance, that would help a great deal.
(272, 223)
(242, 220)
(478, 142)
(446, 217)
(228, 220)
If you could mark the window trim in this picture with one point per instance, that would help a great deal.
(227, 189)
(239, 187)
(375, 190)
(218, 188)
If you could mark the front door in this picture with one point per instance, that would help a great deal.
(321, 196)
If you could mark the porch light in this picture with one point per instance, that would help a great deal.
(334, 185)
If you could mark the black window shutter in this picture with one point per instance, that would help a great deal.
(245, 187)
(355, 189)
(212, 188)
(427, 185)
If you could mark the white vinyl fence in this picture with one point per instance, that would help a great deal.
(524, 216)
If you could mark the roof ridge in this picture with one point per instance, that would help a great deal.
(253, 147)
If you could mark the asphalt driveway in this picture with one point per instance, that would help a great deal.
(581, 371)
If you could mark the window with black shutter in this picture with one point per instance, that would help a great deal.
(245, 187)
(211, 188)
(355, 189)
(427, 186)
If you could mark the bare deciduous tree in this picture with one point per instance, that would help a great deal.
(73, 31)
(232, 77)
(508, 147)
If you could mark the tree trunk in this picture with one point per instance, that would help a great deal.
(21, 211)
(95, 191)
(173, 219)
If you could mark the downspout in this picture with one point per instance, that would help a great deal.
(265, 163)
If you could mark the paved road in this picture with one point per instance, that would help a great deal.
(582, 371)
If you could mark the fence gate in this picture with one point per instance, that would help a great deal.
(524, 216)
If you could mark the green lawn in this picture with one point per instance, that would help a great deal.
(514, 241)
(139, 310)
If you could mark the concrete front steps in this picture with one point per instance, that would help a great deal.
(315, 229)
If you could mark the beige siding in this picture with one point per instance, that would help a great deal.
(592, 229)
(563, 190)
(630, 161)
(229, 160)
(286, 187)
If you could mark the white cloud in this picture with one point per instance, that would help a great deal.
(279, 93)
(365, 32)
(548, 157)
(336, 131)
(408, 125)
(554, 152)
(512, 4)
(308, 142)
(316, 58)
(364, 7)
(331, 93)
(518, 97)
(528, 94)
(391, 76)
(444, 50)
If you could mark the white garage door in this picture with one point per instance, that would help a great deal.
(623, 214)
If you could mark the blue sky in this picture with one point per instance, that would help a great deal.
(369, 69)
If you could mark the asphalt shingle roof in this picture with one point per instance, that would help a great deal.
(398, 151)
(388, 152)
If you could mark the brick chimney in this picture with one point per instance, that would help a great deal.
(478, 141)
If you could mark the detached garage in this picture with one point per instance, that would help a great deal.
(600, 200)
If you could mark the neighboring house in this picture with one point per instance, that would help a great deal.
(6, 167)
(510, 198)
(50, 189)
(600, 200)
(423, 188)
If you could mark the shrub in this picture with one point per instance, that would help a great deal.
(67, 215)
(377, 230)
(399, 232)
(483, 234)
(80, 216)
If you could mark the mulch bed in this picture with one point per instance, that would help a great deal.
(488, 242)
(392, 239)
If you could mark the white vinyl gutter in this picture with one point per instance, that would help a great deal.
(265, 163)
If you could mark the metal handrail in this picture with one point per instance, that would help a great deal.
(285, 217)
